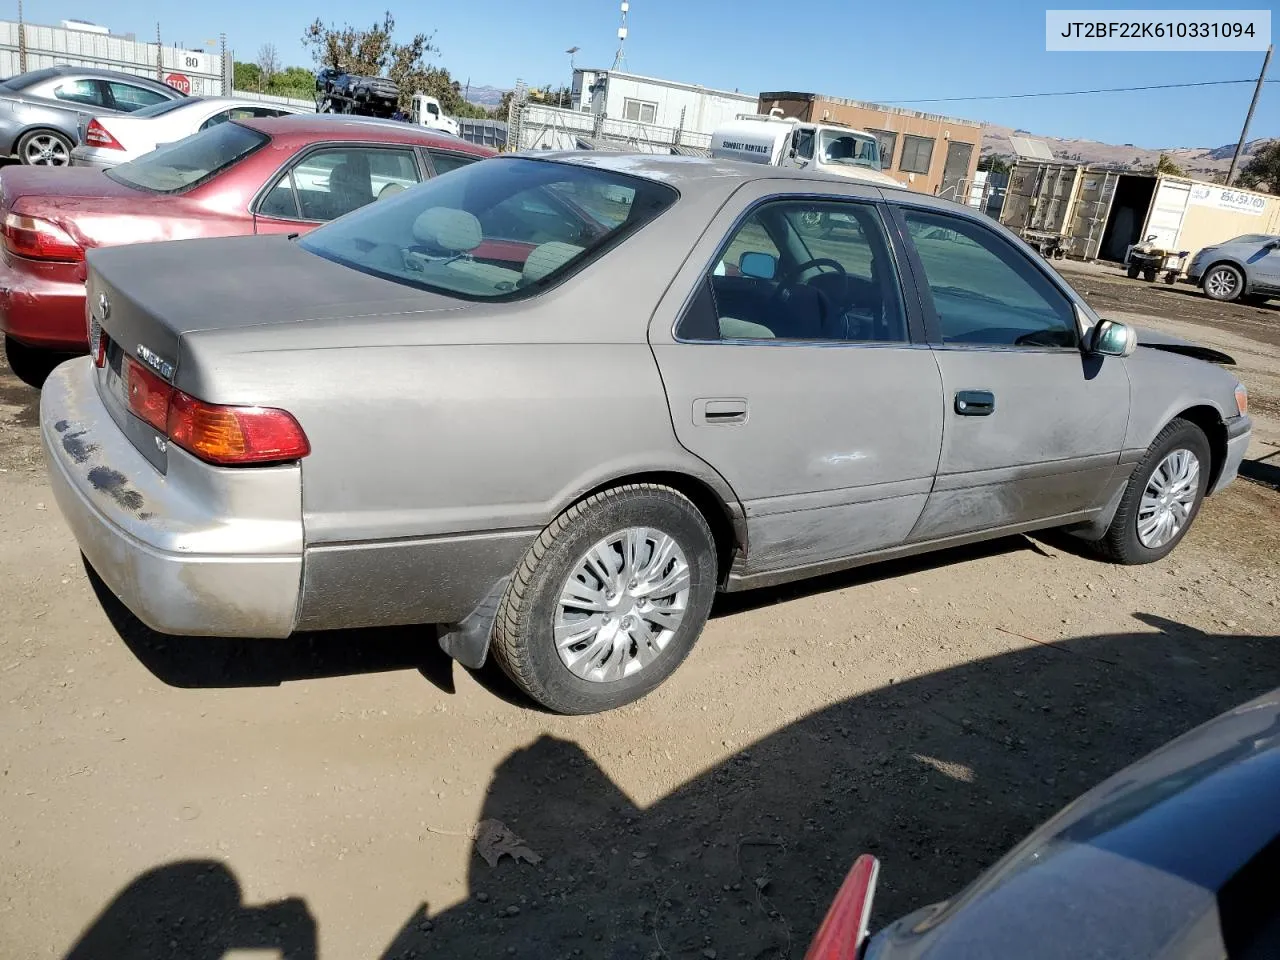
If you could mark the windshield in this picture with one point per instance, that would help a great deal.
(177, 166)
(849, 148)
(164, 106)
(498, 229)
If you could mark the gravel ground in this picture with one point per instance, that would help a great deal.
(318, 797)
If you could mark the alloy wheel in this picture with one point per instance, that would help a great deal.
(1222, 284)
(46, 150)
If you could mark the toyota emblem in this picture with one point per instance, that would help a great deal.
(104, 306)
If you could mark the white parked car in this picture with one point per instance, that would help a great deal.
(108, 141)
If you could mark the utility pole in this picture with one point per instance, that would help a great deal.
(22, 41)
(1244, 133)
(159, 55)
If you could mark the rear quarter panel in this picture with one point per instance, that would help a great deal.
(442, 443)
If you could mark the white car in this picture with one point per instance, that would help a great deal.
(108, 141)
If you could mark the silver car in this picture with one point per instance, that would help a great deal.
(554, 404)
(42, 112)
(1248, 266)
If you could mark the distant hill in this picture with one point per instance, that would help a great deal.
(1204, 163)
(485, 96)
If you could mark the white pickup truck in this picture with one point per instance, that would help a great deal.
(788, 142)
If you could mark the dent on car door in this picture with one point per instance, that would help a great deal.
(792, 373)
(1033, 425)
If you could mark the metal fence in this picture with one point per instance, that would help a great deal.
(536, 126)
(25, 47)
(273, 98)
(486, 133)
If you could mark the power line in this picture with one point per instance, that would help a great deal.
(1072, 93)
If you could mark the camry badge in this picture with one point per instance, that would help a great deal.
(155, 361)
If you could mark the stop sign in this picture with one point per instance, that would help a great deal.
(180, 82)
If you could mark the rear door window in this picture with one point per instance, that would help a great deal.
(127, 97)
(443, 162)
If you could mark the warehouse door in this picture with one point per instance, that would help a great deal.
(956, 172)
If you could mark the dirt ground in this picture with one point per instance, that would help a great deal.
(318, 797)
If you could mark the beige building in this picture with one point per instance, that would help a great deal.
(924, 151)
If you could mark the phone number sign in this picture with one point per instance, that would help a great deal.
(1226, 199)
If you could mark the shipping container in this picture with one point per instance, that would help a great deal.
(1099, 214)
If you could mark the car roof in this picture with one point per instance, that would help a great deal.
(97, 73)
(681, 170)
(329, 126)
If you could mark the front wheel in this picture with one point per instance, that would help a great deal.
(1224, 283)
(1132, 271)
(609, 600)
(1162, 498)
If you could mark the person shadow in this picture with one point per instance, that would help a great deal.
(938, 776)
(193, 910)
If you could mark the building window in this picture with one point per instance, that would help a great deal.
(888, 144)
(641, 110)
(917, 154)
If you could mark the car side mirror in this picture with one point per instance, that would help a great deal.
(1110, 338)
(761, 266)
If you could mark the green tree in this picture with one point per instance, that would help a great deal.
(1167, 165)
(246, 76)
(373, 51)
(995, 163)
(1262, 172)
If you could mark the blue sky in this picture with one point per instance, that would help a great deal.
(881, 51)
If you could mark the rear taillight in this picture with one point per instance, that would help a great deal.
(843, 933)
(96, 135)
(38, 239)
(216, 433)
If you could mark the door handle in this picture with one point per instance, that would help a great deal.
(720, 410)
(975, 403)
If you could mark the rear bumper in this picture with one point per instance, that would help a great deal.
(172, 546)
(40, 310)
(1239, 432)
(100, 159)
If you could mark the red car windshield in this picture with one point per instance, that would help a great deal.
(495, 230)
(192, 160)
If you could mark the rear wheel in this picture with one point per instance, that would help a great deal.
(44, 148)
(1223, 282)
(31, 365)
(609, 600)
(1162, 498)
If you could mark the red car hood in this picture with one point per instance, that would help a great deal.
(97, 210)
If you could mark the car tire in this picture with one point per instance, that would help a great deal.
(31, 365)
(46, 148)
(524, 640)
(1223, 282)
(1124, 542)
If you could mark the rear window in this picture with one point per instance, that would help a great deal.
(177, 166)
(495, 230)
(165, 106)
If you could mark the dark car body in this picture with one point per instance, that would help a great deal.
(42, 300)
(1176, 856)
(59, 99)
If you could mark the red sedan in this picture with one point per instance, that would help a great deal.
(269, 175)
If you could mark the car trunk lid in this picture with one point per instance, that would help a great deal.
(145, 298)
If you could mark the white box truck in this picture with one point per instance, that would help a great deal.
(788, 142)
